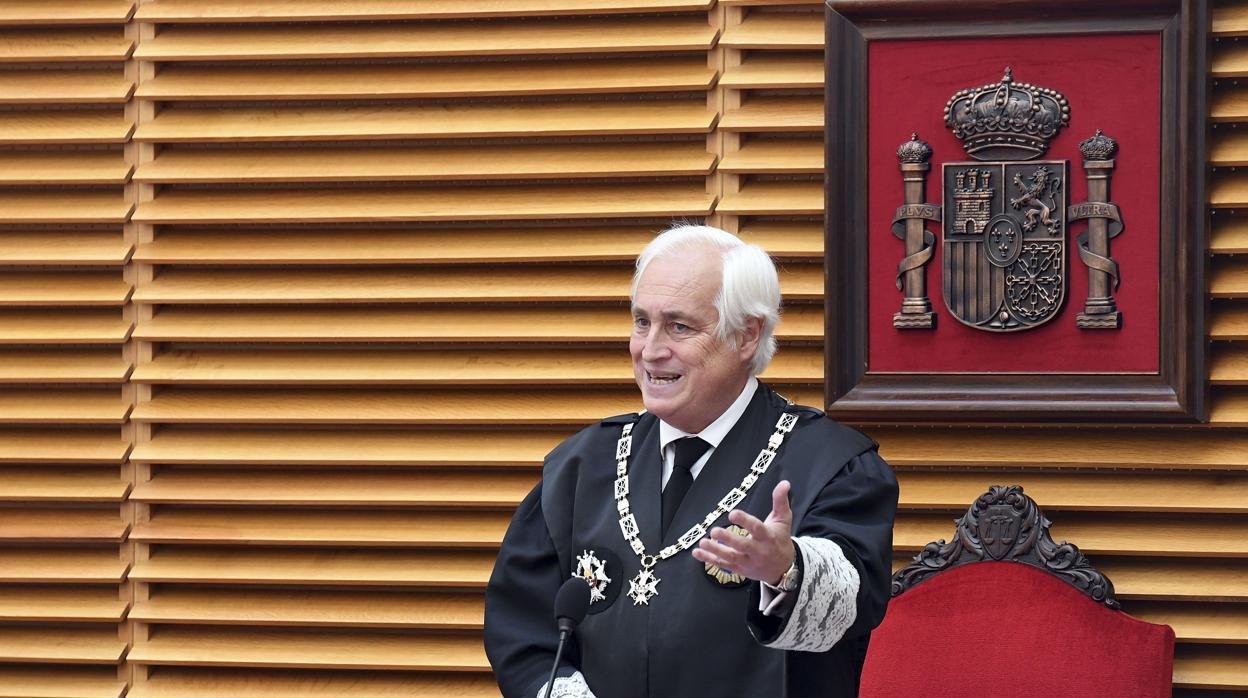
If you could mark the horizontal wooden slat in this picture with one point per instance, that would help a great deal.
(40, 484)
(1222, 624)
(61, 681)
(541, 407)
(281, 10)
(1229, 365)
(789, 156)
(776, 31)
(1229, 279)
(1229, 408)
(455, 245)
(64, 206)
(170, 682)
(429, 163)
(57, 564)
(1229, 235)
(355, 567)
(1229, 321)
(774, 198)
(1228, 189)
(42, 525)
(65, 87)
(63, 45)
(454, 367)
(480, 38)
(1048, 448)
(420, 246)
(1228, 105)
(205, 206)
(64, 167)
(1228, 148)
(241, 124)
(1105, 534)
(1229, 20)
(369, 528)
(62, 446)
(355, 608)
(78, 248)
(64, 127)
(176, 286)
(1178, 579)
(776, 114)
(61, 645)
(1179, 492)
(347, 447)
(602, 76)
(98, 604)
(21, 12)
(62, 366)
(370, 324)
(1211, 666)
(1228, 60)
(798, 282)
(335, 488)
(787, 71)
(87, 406)
(254, 648)
(80, 326)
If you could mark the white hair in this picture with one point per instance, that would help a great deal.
(749, 285)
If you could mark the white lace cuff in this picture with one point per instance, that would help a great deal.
(826, 600)
(573, 686)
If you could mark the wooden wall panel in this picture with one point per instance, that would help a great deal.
(63, 327)
(386, 268)
(295, 296)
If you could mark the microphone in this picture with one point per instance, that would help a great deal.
(571, 605)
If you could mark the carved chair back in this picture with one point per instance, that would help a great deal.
(1003, 610)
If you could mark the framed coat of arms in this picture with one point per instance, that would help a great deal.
(1015, 211)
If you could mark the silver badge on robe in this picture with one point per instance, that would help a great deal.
(594, 572)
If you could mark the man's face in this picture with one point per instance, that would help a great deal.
(687, 376)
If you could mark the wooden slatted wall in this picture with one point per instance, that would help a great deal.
(64, 324)
(336, 275)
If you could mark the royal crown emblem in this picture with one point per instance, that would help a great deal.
(1007, 120)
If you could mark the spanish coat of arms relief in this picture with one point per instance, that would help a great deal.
(1005, 216)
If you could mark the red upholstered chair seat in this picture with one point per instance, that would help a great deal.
(1008, 629)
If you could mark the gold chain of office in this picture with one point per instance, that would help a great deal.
(645, 585)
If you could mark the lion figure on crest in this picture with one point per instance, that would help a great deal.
(1039, 198)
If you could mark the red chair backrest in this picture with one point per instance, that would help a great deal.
(1008, 629)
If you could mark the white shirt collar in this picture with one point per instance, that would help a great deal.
(714, 432)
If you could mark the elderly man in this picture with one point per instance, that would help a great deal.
(735, 544)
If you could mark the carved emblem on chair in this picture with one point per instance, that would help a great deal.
(1005, 524)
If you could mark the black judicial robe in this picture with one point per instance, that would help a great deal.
(696, 636)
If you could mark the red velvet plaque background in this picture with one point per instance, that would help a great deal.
(1112, 82)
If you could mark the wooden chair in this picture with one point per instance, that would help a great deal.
(1002, 610)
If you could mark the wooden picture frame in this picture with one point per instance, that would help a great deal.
(1177, 392)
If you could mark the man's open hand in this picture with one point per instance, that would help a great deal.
(766, 554)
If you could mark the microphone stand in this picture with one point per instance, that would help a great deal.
(554, 669)
(571, 604)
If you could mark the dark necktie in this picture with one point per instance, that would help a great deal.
(688, 451)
